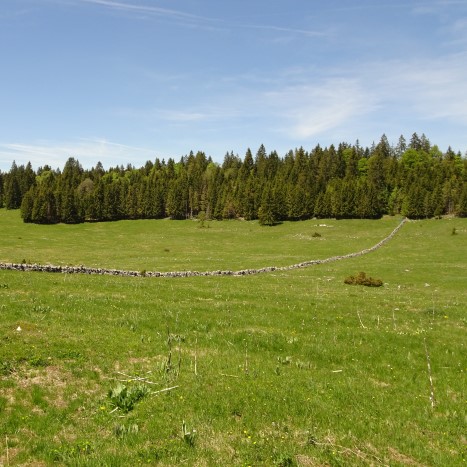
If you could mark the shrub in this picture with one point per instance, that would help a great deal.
(6, 368)
(362, 279)
(124, 398)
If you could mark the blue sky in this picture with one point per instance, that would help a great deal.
(126, 81)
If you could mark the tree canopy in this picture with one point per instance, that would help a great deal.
(416, 180)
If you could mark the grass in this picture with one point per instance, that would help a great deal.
(289, 368)
(162, 245)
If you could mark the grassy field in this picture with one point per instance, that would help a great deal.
(287, 368)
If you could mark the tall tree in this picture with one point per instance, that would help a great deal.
(12, 188)
(462, 208)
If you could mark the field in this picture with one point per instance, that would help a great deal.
(285, 368)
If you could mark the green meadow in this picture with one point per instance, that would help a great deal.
(288, 368)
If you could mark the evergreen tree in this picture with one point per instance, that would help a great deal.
(415, 142)
(85, 198)
(177, 199)
(401, 147)
(44, 210)
(462, 209)
(413, 205)
(267, 212)
(415, 179)
(12, 188)
(69, 203)
(1, 189)
(27, 206)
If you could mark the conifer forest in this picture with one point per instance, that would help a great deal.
(412, 178)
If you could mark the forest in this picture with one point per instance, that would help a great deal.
(414, 179)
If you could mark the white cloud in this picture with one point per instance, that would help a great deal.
(426, 89)
(145, 9)
(302, 32)
(309, 110)
(87, 151)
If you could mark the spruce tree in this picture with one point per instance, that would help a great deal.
(462, 208)
(27, 205)
(267, 210)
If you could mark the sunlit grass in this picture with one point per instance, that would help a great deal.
(289, 368)
(164, 245)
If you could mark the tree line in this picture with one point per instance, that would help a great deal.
(414, 179)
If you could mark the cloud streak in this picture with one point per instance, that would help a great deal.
(303, 32)
(148, 9)
(87, 151)
(307, 111)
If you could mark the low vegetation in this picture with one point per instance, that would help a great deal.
(285, 368)
(362, 279)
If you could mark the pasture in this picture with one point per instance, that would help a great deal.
(285, 368)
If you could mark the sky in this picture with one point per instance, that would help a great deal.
(126, 81)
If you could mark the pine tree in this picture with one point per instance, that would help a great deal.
(27, 206)
(1, 189)
(462, 208)
(12, 188)
(267, 210)
(413, 205)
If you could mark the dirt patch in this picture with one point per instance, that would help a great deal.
(402, 458)
(379, 384)
(52, 378)
(306, 461)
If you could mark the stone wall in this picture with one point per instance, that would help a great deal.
(243, 272)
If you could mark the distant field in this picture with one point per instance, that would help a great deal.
(165, 245)
(289, 368)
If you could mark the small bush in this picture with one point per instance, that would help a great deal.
(7, 368)
(362, 279)
(125, 398)
(37, 361)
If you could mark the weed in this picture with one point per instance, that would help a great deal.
(284, 361)
(285, 461)
(188, 436)
(70, 355)
(68, 454)
(7, 367)
(121, 430)
(124, 398)
(41, 309)
(170, 370)
(37, 361)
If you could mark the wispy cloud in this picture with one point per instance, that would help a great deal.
(429, 89)
(306, 111)
(186, 116)
(87, 151)
(149, 9)
(296, 31)
(15, 14)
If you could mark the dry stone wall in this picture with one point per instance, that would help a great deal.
(243, 272)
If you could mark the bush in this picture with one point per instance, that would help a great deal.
(124, 398)
(362, 279)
